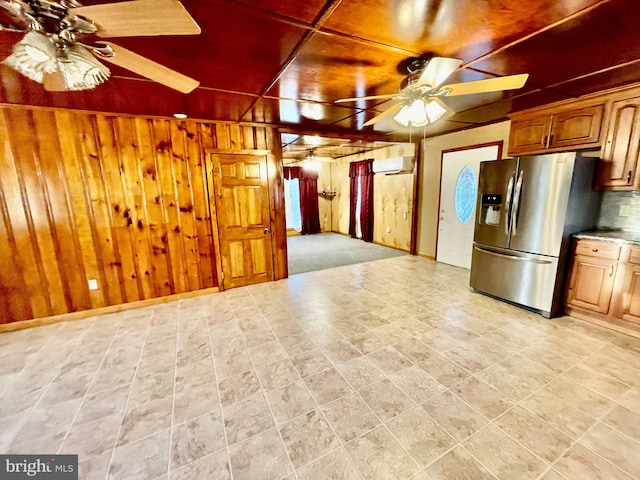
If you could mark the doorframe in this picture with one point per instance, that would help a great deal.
(497, 143)
(214, 210)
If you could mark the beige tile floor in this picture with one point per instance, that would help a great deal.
(391, 369)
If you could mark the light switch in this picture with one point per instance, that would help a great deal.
(93, 284)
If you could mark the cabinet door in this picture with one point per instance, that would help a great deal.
(619, 165)
(579, 127)
(591, 283)
(630, 308)
(529, 135)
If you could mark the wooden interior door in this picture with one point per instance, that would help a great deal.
(241, 194)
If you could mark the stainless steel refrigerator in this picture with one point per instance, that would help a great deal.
(527, 209)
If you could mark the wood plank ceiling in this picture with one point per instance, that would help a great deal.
(285, 63)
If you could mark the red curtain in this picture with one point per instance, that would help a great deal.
(308, 186)
(361, 172)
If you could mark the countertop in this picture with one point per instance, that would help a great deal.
(620, 236)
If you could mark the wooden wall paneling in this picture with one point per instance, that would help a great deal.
(248, 140)
(236, 139)
(14, 304)
(35, 202)
(264, 143)
(186, 228)
(153, 221)
(100, 212)
(200, 212)
(135, 202)
(119, 208)
(70, 267)
(162, 140)
(18, 224)
(80, 215)
(211, 200)
(222, 136)
(207, 136)
(276, 194)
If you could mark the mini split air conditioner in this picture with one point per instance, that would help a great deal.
(393, 165)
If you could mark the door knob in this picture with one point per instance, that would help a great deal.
(266, 230)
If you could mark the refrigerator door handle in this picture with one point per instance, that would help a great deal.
(516, 204)
(507, 205)
(512, 257)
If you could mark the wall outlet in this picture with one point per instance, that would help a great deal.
(388, 229)
(624, 211)
(404, 215)
(93, 284)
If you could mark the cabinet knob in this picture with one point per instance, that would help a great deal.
(594, 250)
(629, 175)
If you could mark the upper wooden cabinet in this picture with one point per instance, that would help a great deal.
(619, 165)
(576, 125)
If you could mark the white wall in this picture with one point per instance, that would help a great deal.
(429, 194)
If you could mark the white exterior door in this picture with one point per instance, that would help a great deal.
(458, 196)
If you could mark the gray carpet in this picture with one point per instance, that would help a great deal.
(326, 250)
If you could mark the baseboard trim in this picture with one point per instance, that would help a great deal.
(64, 317)
(429, 257)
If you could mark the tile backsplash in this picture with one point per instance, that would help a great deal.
(610, 211)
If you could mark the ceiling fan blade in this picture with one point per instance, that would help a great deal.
(438, 70)
(149, 69)
(139, 18)
(372, 97)
(55, 82)
(511, 82)
(389, 111)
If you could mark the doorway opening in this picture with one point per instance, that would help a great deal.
(332, 245)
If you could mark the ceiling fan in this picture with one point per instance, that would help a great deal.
(420, 97)
(53, 51)
(311, 157)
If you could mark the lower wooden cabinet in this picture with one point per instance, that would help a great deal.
(628, 308)
(591, 283)
(604, 284)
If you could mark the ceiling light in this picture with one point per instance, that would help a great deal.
(34, 56)
(181, 116)
(311, 165)
(37, 55)
(312, 139)
(80, 68)
(418, 113)
(434, 110)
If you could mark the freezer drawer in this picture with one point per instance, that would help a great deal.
(522, 278)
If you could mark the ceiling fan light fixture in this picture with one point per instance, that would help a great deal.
(419, 113)
(81, 70)
(34, 56)
(434, 111)
(311, 165)
(403, 117)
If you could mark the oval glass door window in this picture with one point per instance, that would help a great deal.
(466, 193)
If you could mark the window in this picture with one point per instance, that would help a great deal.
(292, 204)
(465, 196)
